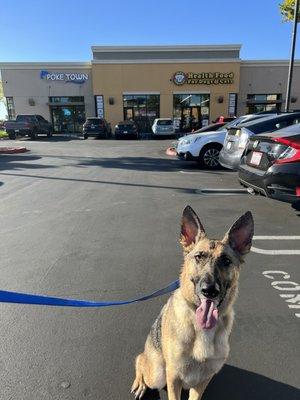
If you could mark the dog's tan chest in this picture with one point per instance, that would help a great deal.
(204, 359)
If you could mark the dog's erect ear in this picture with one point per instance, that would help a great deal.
(239, 237)
(191, 228)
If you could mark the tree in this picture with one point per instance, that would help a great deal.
(287, 8)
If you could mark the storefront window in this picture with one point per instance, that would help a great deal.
(10, 108)
(263, 102)
(190, 111)
(142, 108)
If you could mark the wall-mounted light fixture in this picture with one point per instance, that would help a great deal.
(111, 101)
(294, 99)
(31, 102)
(220, 99)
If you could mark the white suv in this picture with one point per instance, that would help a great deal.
(163, 127)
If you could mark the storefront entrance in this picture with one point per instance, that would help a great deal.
(142, 109)
(66, 118)
(191, 111)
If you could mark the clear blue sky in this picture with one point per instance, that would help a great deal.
(64, 30)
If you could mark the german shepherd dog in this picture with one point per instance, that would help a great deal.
(189, 341)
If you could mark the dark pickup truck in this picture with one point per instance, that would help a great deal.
(30, 125)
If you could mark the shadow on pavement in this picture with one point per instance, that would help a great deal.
(238, 384)
(20, 162)
(56, 178)
(145, 164)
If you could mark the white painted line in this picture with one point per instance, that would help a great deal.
(276, 237)
(275, 252)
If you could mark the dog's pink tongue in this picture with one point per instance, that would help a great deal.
(206, 314)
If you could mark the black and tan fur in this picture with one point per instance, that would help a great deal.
(177, 352)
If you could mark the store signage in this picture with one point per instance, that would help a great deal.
(99, 106)
(72, 77)
(203, 78)
(232, 100)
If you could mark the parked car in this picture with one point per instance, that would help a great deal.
(224, 119)
(96, 127)
(30, 125)
(271, 164)
(205, 147)
(163, 127)
(209, 128)
(237, 137)
(126, 129)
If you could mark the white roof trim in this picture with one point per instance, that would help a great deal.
(267, 63)
(39, 65)
(159, 61)
(112, 49)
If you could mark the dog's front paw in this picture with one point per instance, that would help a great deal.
(138, 388)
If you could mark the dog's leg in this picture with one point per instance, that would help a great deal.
(174, 386)
(139, 386)
(197, 391)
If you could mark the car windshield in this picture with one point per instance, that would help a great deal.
(94, 121)
(230, 124)
(165, 122)
(25, 118)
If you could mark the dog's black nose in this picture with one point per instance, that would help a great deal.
(210, 291)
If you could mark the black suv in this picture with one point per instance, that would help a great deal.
(96, 127)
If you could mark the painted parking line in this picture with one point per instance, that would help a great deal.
(276, 252)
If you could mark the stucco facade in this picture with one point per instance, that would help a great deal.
(196, 83)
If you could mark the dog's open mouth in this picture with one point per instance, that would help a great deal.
(207, 314)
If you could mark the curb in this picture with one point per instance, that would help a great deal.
(171, 151)
(12, 150)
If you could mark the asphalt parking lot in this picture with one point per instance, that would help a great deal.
(99, 220)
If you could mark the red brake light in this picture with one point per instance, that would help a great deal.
(292, 152)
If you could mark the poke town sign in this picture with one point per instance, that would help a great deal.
(72, 77)
(203, 78)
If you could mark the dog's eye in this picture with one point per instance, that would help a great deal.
(199, 255)
(225, 261)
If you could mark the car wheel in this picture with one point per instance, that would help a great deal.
(33, 135)
(49, 134)
(12, 136)
(85, 137)
(209, 156)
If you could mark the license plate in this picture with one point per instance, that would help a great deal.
(228, 146)
(256, 158)
(125, 132)
(17, 130)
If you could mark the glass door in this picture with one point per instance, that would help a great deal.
(78, 118)
(67, 119)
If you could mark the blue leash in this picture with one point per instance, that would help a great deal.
(24, 298)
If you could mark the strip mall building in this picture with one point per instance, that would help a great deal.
(192, 84)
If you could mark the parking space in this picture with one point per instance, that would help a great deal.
(100, 220)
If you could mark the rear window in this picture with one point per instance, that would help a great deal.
(274, 124)
(125, 126)
(94, 121)
(165, 122)
(26, 118)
